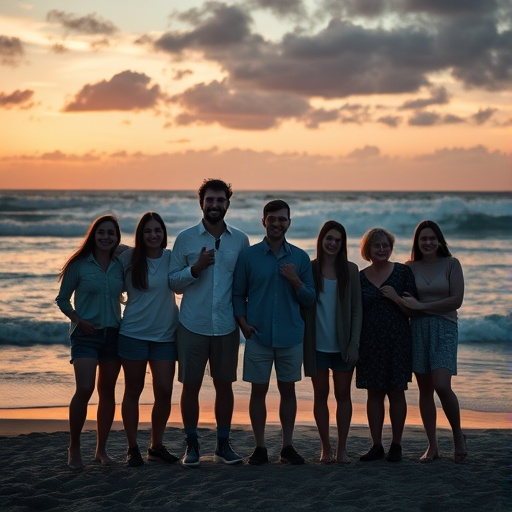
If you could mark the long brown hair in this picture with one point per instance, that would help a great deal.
(341, 262)
(139, 265)
(442, 250)
(88, 245)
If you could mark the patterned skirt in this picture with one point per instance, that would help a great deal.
(434, 344)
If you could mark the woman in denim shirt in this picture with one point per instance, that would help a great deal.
(95, 277)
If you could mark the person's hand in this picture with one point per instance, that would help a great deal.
(390, 293)
(248, 330)
(206, 258)
(86, 327)
(352, 354)
(411, 302)
(288, 271)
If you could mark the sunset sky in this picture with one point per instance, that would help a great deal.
(266, 94)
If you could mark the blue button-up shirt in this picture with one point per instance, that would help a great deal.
(97, 293)
(206, 307)
(267, 299)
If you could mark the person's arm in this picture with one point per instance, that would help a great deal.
(180, 274)
(408, 289)
(240, 293)
(68, 285)
(450, 303)
(301, 280)
(356, 314)
(390, 293)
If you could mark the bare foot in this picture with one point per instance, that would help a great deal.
(103, 458)
(75, 458)
(326, 457)
(343, 458)
(460, 451)
(430, 455)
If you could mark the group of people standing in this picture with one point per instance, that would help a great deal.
(387, 321)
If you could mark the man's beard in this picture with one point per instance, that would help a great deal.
(215, 219)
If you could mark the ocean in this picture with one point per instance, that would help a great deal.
(40, 229)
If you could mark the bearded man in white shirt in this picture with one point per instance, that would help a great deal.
(202, 264)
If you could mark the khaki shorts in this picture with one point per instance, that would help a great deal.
(258, 361)
(195, 350)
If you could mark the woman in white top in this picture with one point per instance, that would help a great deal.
(147, 335)
(331, 337)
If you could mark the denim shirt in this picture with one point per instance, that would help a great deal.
(266, 299)
(96, 292)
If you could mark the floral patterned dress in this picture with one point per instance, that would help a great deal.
(385, 360)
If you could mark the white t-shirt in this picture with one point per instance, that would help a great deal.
(151, 314)
(326, 339)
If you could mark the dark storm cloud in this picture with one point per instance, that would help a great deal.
(375, 8)
(237, 109)
(11, 51)
(17, 99)
(363, 8)
(344, 58)
(280, 7)
(216, 26)
(91, 24)
(127, 90)
(456, 7)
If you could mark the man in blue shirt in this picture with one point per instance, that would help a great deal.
(272, 280)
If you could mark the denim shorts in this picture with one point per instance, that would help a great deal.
(333, 361)
(135, 349)
(101, 346)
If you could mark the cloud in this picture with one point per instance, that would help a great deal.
(17, 99)
(462, 155)
(315, 117)
(236, 109)
(127, 90)
(354, 113)
(392, 121)
(372, 9)
(281, 8)
(11, 51)
(179, 74)
(452, 119)
(349, 58)
(59, 156)
(447, 169)
(451, 7)
(439, 96)
(91, 24)
(483, 115)
(59, 48)
(364, 153)
(424, 119)
(215, 26)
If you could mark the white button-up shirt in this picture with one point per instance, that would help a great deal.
(206, 306)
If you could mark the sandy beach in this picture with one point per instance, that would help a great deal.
(35, 475)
